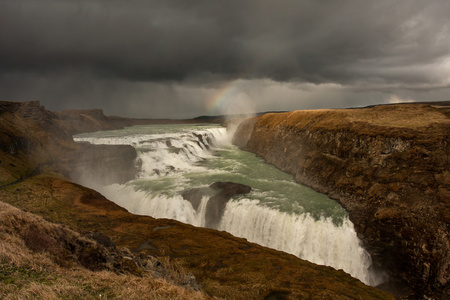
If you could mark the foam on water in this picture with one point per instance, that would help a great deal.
(155, 205)
(319, 241)
(293, 219)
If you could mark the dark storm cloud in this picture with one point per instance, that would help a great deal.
(315, 41)
(129, 39)
(172, 58)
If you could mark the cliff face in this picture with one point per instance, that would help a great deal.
(389, 166)
(79, 121)
(34, 140)
(28, 139)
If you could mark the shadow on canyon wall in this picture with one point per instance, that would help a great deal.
(387, 165)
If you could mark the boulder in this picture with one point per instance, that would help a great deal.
(220, 193)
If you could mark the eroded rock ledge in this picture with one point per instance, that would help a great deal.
(219, 194)
(35, 140)
(389, 166)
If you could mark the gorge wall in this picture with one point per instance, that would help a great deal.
(389, 166)
(35, 140)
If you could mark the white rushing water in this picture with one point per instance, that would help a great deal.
(278, 213)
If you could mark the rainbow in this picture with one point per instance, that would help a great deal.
(219, 98)
(217, 101)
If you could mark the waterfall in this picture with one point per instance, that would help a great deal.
(319, 241)
(173, 160)
(163, 154)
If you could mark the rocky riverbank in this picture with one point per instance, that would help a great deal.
(389, 166)
(37, 154)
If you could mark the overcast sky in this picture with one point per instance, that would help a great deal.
(181, 59)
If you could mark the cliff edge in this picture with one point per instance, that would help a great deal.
(389, 166)
(90, 120)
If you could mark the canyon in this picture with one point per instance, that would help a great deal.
(37, 159)
(388, 166)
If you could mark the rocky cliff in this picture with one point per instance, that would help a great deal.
(389, 166)
(36, 150)
(90, 120)
(35, 140)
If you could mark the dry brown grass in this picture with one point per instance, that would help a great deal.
(400, 116)
(31, 272)
(84, 284)
(405, 115)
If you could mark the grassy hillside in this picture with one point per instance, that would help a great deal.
(43, 260)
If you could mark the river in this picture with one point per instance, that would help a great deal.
(277, 213)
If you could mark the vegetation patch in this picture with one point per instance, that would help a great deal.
(19, 275)
(48, 269)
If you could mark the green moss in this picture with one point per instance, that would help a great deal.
(19, 275)
(93, 292)
(14, 278)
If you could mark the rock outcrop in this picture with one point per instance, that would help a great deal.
(69, 249)
(33, 140)
(219, 194)
(90, 120)
(387, 165)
